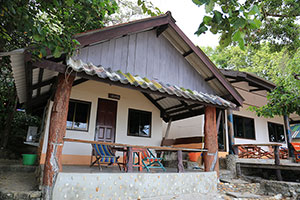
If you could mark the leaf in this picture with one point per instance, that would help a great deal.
(210, 6)
(257, 22)
(37, 37)
(254, 10)
(202, 28)
(239, 23)
(225, 39)
(217, 17)
(207, 19)
(57, 52)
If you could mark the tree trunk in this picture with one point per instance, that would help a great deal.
(211, 158)
(57, 131)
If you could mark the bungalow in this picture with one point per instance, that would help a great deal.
(123, 82)
(248, 128)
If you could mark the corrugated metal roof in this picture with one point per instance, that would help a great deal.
(127, 78)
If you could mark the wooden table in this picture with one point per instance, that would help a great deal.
(129, 152)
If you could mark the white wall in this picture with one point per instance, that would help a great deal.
(90, 91)
(191, 127)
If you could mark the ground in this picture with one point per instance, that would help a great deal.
(19, 182)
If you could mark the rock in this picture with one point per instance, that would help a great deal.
(242, 195)
(278, 196)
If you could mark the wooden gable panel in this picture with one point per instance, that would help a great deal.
(146, 55)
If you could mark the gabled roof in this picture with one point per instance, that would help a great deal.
(253, 80)
(35, 81)
(165, 25)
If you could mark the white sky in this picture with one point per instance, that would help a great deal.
(188, 17)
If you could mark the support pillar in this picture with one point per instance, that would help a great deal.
(211, 158)
(230, 131)
(57, 131)
(288, 132)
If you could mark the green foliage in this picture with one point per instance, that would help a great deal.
(148, 8)
(285, 98)
(49, 25)
(253, 21)
(7, 90)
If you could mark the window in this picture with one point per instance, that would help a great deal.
(78, 115)
(139, 123)
(243, 127)
(276, 132)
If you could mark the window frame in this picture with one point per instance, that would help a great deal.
(128, 124)
(234, 127)
(276, 124)
(74, 115)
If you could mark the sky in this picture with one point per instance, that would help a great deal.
(188, 17)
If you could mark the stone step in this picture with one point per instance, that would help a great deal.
(20, 195)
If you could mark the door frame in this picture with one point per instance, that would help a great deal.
(115, 128)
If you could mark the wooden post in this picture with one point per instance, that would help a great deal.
(129, 162)
(277, 162)
(211, 160)
(288, 136)
(57, 131)
(230, 132)
(180, 167)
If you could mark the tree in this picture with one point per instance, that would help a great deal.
(278, 67)
(48, 26)
(252, 21)
(263, 62)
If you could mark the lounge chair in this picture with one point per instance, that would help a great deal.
(104, 156)
(147, 158)
(296, 150)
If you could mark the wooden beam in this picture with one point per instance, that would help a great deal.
(187, 53)
(133, 146)
(162, 112)
(236, 81)
(161, 29)
(44, 83)
(188, 115)
(189, 108)
(40, 79)
(211, 160)
(28, 75)
(57, 131)
(210, 78)
(257, 89)
(173, 107)
(160, 98)
(79, 81)
(168, 129)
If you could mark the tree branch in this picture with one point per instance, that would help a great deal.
(280, 15)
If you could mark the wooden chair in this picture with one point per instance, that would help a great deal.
(296, 147)
(147, 158)
(104, 156)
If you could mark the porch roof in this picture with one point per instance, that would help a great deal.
(173, 101)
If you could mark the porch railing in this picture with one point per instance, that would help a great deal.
(129, 162)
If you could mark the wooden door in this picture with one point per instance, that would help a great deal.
(106, 120)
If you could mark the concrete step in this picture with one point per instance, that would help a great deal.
(20, 195)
